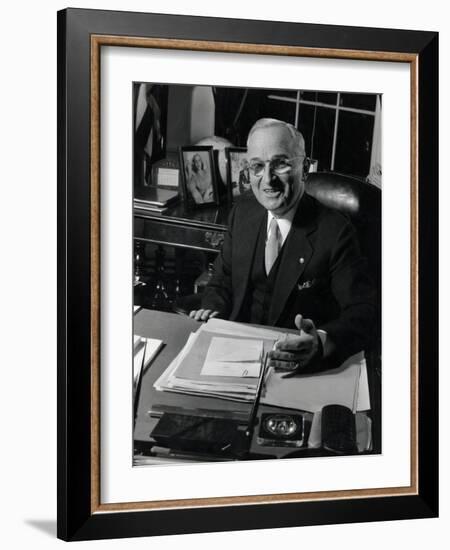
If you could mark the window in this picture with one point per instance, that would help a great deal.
(339, 128)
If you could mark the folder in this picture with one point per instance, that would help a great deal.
(346, 385)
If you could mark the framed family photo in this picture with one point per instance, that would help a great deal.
(268, 360)
(199, 184)
(238, 171)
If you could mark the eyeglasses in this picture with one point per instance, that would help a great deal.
(278, 166)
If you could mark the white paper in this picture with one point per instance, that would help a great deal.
(168, 381)
(230, 368)
(310, 393)
(238, 329)
(152, 349)
(231, 349)
(363, 403)
(168, 177)
(232, 357)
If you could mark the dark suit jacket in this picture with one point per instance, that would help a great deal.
(322, 274)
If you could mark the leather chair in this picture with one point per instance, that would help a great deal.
(361, 201)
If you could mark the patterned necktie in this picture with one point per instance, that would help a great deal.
(273, 245)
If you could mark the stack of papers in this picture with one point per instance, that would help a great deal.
(340, 386)
(223, 359)
(241, 358)
(219, 360)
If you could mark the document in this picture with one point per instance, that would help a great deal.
(338, 386)
(184, 374)
(200, 369)
(307, 392)
(231, 357)
(168, 177)
(236, 369)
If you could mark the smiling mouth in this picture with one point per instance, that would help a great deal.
(271, 191)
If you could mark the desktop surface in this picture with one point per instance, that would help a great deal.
(174, 331)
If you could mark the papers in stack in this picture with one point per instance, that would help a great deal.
(338, 386)
(219, 360)
(233, 357)
(222, 359)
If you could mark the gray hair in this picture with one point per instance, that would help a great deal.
(270, 122)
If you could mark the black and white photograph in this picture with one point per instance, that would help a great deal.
(238, 171)
(199, 175)
(262, 321)
(247, 258)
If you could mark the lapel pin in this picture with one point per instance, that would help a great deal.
(306, 284)
(302, 260)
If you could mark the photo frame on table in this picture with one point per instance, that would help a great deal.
(93, 506)
(199, 176)
(238, 174)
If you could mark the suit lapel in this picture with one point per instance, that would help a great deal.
(297, 252)
(245, 252)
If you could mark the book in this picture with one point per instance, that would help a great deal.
(151, 208)
(154, 196)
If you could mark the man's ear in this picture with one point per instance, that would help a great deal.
(306, 165)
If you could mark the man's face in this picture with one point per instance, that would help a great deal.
(276, 192)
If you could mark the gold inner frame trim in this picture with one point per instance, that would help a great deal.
(97, 41)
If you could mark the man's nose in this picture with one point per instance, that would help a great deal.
(268, 175)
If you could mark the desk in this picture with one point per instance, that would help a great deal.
(202, 229)
(174, 330)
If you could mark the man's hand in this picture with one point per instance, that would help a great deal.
(203, 314)
(296, 352)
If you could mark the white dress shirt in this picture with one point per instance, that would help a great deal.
(284, 222)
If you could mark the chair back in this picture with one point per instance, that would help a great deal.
(361, 202)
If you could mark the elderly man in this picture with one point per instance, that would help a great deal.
(288, 261)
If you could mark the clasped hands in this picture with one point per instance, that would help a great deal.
(294, 353)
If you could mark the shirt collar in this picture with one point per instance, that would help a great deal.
(284, 221)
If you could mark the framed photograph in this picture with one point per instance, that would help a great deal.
(238, 177)
(166, 174)
(199, 181)
(167, 424)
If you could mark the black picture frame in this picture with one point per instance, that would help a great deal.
(242, 185)
(81, 33)
(194, 196)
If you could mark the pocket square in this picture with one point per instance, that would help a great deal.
(306, 284)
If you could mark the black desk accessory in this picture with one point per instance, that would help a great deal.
(276, 429)
(185, 432)
(281, 430)
(338, 429)
(214, 435)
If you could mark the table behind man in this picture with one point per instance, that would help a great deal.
(289, 261)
